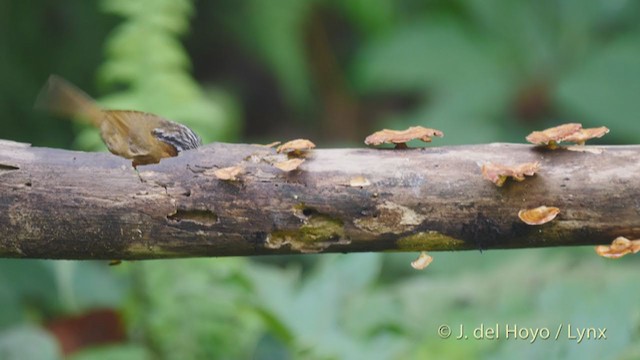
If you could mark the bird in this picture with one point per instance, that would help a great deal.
(143, 137)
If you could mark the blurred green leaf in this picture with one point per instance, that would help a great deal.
(425, 55)
(604, 89)
(93, 284)
(28, 342)
(128, 52)
(165, 14)
(113, 352)
(315, 310)
(27, 288)
(89, 139)
(371, 16)
(195, 308)
(273, 31)
(145, 54)
(460, 75)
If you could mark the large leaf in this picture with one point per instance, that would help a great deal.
(315, 312)
(114, 352)
(460, 75)
(144, 54)
(26, 285)
(424, 55)
(604, 89)
(28, 342)
(83, 285)
(274, 32)
(194, 308)
(372, 17)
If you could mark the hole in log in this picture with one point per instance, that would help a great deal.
(202, 217)
(307, 211)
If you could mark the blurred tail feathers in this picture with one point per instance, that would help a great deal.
(60, 97)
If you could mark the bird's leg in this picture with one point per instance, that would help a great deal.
(135, 164)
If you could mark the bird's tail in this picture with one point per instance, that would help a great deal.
(62, 98)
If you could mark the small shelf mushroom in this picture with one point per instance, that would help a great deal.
(422, 261)
(401, 137)
(359, 181)
(582, 135)
(619, 247)
(538, 216)
(568, 132)
(295, 148)
(289, 165)
(227, 174)
(552, 136)
(498, 173)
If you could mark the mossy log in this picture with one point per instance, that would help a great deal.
(64, 204)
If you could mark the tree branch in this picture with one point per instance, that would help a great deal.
(74, 205)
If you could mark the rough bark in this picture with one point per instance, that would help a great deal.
(74, 205)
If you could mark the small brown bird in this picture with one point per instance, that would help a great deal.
(143, 137)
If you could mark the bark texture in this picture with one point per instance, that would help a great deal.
(73, 205)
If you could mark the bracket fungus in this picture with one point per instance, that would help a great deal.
(581, 136)
(228, 173)
(289, 165)
(359, 181)
(619, 247)
(538, 216)
(572, 132)
(295, 148)
(498, 173)
(552, 136)
(422, 261)
(401, 137)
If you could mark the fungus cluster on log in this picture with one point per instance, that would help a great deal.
(619, 247)
(400, 138)
(295, 150)
(551, 137)
(572, 132)
(498, 173)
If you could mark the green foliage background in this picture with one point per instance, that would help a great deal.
(254, 70)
